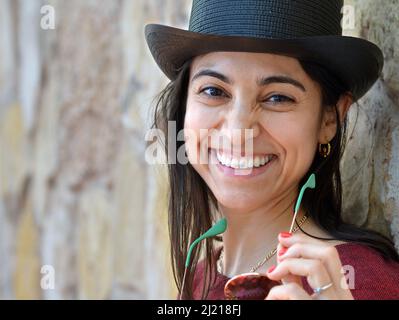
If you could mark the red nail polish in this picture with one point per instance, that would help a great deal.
(271, 269)
(282, 251)
(285, 234)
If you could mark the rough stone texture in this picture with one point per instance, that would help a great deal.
(75, 190)
(370, 166)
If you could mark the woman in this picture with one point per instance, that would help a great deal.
(282, 71)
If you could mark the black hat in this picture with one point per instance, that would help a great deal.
(306, 29)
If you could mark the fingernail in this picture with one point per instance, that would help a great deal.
(271, 269)
(282, 251)
(285, 234)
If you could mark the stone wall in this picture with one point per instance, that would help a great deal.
(371, 161)
(75, 191)
(77, 199)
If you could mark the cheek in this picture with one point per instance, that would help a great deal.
(195, 118)
(198, 122)
(296, 135)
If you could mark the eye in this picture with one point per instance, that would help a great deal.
(213, 92)
(279, 98)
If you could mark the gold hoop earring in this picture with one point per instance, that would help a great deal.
(324, 149)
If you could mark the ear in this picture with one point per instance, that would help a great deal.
(329, 120)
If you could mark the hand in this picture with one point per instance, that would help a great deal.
(301, 255)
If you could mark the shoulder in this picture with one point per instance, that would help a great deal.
(368, 274)
(216, 290)
(198, 279)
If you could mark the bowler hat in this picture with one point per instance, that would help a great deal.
(309, 30)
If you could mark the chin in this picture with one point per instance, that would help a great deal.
(239, 200)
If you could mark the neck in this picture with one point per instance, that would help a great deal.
(252, 234)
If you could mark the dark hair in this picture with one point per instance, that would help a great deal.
(192, 205)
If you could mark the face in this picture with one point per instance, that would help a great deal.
(280, 106)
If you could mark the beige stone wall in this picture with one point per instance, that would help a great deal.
(371, 161)
(75, 191)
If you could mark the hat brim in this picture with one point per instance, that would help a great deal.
(357, 62)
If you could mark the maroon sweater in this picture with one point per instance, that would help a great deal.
(375, 278)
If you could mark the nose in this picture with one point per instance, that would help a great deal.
(240, 127)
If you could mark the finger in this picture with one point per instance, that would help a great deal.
(289, 278)
(313, 269)
(287, 240)
(328, 255)
(289, 291)
(292, 279)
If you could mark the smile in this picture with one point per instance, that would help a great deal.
(244, 162)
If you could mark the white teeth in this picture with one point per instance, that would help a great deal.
(250, 163)
(242, 162)
(234, 163)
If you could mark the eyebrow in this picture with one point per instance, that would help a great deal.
(261, 82)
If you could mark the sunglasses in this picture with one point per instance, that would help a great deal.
(248, 286)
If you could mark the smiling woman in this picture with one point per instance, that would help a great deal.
(241, 101)
(293, 96)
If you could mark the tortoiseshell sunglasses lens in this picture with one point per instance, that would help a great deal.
(248, 286)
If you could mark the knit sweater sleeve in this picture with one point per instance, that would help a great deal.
(368, 274)
(374, 277)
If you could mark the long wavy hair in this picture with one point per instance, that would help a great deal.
(192, 207)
